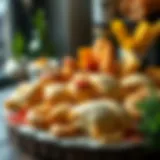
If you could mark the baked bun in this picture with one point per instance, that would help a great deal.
(81, 89)
(132, 82)
(26, 95)
(106, 85)
(154, 74)
(56, 93)
(37, 116)
(104, 120)
(131, 101)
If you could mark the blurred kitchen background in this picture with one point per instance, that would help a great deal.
(32, 28)
(55, 28)
(68, 22)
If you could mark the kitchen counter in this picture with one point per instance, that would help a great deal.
(7, 152)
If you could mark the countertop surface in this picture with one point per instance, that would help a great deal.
(7, 152)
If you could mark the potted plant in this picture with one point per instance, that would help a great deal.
(15, 65)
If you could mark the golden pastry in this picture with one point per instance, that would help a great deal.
(104, 120)
(26, 95)
(131, 83)
(154, 74)
(106, 85)
(59, 113)
(81, 89)
(37, 116)
(69, 67)
(132, 100)
(55, 93)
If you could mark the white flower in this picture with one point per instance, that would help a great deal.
(34, 45)
(11, 67)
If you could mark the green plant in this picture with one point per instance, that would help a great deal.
(46, 47)
(40, 22)
(18, 46)
(39, 45)
(150, 123)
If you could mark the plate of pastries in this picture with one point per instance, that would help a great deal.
(87, 96)
(86, 101)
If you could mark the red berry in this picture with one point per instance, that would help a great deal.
(83, 84)
(92, 67)
(18, 118)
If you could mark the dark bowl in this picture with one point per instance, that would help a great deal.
(38, 145)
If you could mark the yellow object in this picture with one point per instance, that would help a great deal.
(120, 30)
(129, 62)
(145, 33)
(143, 36)
(142, 32)
(128, 43)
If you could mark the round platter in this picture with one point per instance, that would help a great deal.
(39, 145)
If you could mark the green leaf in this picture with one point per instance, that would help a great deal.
(39, 22)
(18, 45)
(150, 123)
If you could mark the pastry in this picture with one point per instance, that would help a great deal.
(26, 95)
(106, 85)
(103, 120)
(131, 83)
